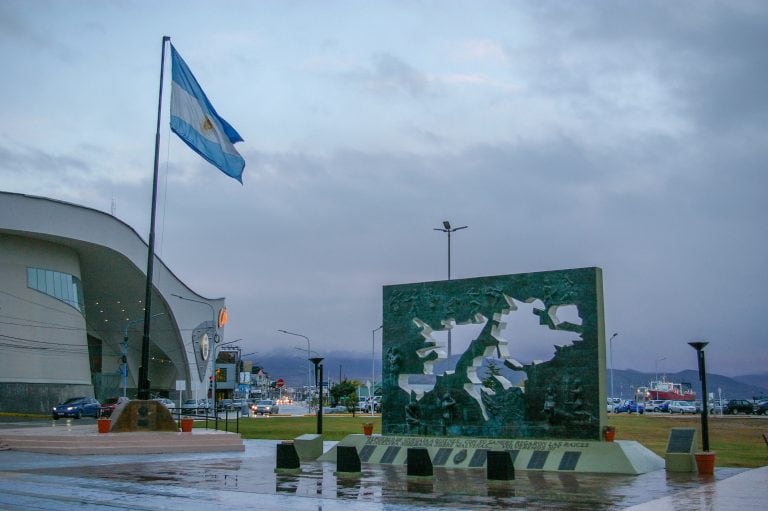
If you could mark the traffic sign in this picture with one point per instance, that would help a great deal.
(280, 382)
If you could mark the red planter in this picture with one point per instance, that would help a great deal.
(368, 429)
(705, 463)
(609, 435)
(104, 425)
(186, 425)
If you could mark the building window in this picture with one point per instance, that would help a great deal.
(61, 286)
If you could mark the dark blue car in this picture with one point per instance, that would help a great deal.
(629, 406)
(77, 407)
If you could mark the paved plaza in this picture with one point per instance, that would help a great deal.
(238, 480)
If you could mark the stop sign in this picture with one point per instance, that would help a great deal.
(280, 382)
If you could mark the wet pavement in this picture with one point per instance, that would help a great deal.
(205, 480)
(235, 480)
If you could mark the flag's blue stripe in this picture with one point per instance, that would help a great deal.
(231, 164)
(181, 74)
(192, 115)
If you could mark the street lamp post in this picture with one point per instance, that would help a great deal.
(610, 348)
(319, 366)
(448, 229)
(699, 347)
(373, 366)
(309, 367)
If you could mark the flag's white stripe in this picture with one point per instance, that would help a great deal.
(187, 108)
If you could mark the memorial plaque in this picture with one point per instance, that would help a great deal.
(681, 440)
(478, 459)
(538, 459)
(569, 460)
(366, 452)
(390, 454)
(442, 456)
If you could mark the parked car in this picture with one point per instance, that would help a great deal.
(204, 406)
(168, 403)
(224, 404)
(762, 408)
(657, 405)
(76, 407)
(629, 406)
(189, 406)
(735, 406)
(682, 407)
(266, 407)
(109, 405)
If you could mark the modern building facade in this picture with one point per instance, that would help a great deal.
(72, 312)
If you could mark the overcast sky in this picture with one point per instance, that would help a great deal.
(627, 135)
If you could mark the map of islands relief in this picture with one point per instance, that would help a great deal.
(512, 356)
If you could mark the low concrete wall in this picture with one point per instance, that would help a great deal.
(38, 397)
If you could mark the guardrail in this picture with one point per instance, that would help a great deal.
(207, 416)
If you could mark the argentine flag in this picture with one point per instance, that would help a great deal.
(195, 121)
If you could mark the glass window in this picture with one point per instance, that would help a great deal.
(32, 278)
(57, 285)
(61, 286)
(49, 283)
(40, 280)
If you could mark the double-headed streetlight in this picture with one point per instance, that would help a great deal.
(309, 367)
(610, 349)
(448, 229)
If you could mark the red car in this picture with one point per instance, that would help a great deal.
(109, 405)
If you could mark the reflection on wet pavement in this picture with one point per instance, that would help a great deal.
(253, 472)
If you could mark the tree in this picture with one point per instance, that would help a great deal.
(345, 392)
(490, 381)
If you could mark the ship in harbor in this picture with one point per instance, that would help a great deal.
(667, 390)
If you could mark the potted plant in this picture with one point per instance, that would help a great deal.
(104, 424)
(609, 433)
(705, 462)
(186, 424)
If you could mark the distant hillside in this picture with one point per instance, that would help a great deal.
(758, 380)
(294, 369)
(292, 366)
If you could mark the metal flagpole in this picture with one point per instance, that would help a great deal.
(144, 368)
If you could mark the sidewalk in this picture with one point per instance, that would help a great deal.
(192, 481)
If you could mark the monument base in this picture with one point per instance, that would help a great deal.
(619, 457)
(137, 415)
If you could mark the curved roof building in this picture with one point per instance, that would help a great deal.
(71, 311)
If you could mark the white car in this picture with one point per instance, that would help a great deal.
(612, 402)
(166, 402)
(682, 407)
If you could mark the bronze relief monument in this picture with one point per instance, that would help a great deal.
(487, 389)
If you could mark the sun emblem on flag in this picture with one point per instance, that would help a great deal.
(206, 125)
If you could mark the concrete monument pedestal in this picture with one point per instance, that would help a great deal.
(619, 457)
